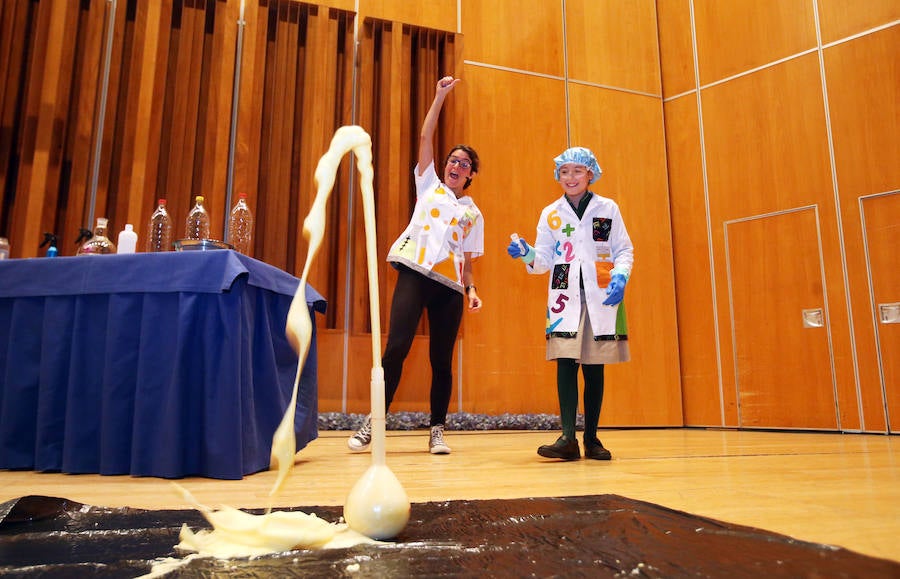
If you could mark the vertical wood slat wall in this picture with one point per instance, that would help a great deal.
(167, 129)
(167, 118)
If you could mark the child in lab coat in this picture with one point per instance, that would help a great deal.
(582, 241)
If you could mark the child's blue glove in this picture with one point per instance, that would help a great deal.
(615, 291)
(518, 247)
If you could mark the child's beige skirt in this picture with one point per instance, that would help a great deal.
(584, 349)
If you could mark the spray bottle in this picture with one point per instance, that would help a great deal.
(50, 239)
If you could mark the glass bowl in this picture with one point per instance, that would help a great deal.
(200, 245)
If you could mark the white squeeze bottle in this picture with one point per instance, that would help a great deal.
(127, 241)
(514, 237)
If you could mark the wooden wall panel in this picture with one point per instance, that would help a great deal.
(386, 109)
(332, 355)
(740, 35)
(199, 84)
(68, 183)
(280, 108)
(323, 102)
(881, 216)
(704, 403)
(864, 99)
(399, 69)
(765, 141)
(14, 28)
(613, 43)
(122, 171)
(153, 70)
(500, 33)
(44, 107)
(211, 170)
(295, 94)
(783, 372)
(676, 50)
(631, 151)
(180, 118)
(503, 350)
(249, 146)
(347, 5)
(780, 162)
(842, 18)
(139, 136)
(434, 14)
(767, 146)
(864, 96)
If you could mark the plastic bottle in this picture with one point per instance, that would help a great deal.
(127, 240)
(240, 226)
(99, 244)
(159, 230)
(50, 240)
(197, 224)
(4, 248)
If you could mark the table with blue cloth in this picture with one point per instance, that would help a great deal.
(152, 364)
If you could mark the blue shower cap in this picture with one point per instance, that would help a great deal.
(579, 156)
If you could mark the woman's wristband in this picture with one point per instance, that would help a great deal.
(470, 287)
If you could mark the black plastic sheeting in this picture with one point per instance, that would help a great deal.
(595, 536)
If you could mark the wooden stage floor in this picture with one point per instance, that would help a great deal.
(836, 489)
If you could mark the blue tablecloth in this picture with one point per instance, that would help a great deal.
(160, 364)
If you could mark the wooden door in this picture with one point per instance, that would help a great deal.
(881, 227)
(782, 354)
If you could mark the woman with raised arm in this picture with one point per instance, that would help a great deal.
(433, 257)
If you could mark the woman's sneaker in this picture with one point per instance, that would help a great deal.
(361, 440)
(436, 444)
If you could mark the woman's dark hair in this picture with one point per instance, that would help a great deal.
(472, 155)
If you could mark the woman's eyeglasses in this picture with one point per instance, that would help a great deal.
(454, 161)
